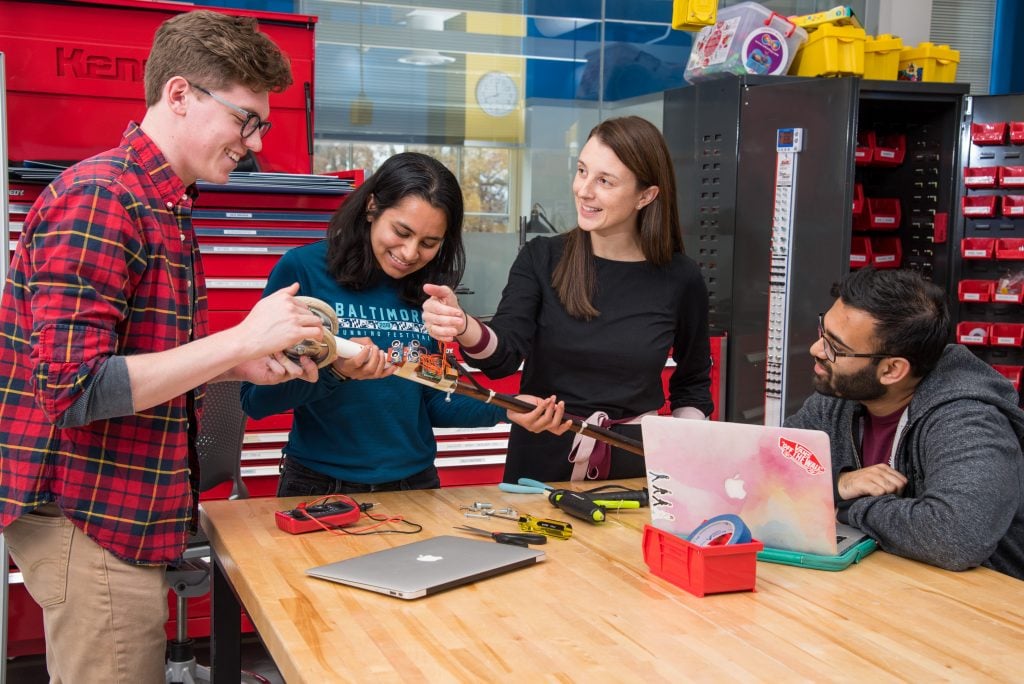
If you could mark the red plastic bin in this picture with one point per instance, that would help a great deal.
(883, 213)
(981, 176)
(973, 332)
(979, 206)
(864, 151)
(1013, 206)
(1017, 132)
(1011, 373)
(889, 150)
(701, 570)
(858, 199)
(886, 252)
(1010, 249)
(860, 251)
(1007, 295)
(1006, 334)
(977, 248)
(988, 133)
(975, 290)
(1011, 176)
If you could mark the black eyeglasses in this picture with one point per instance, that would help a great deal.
(252, 122)
(831, 353)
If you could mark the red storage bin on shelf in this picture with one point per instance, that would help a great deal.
(860, 251)
(864, 151)
(1011, 373)
(886, 252)
(1011, 176)
(1006, 334)
(1007, 294)
(973, 332)
(988, 133)
(975, 290)
(977, 248)
(981, 176)
(1013, 206)
(979, 206)
(889, 150)
(701, 570)
(883, 213)
(858, 199)
(1017, 132)
(1010, 249)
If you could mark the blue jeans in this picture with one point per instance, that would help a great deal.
(298, 480)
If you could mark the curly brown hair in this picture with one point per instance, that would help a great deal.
(216, 50)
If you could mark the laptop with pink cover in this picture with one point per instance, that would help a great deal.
(777, 480)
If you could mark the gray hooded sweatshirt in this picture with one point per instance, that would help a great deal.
(961, 452)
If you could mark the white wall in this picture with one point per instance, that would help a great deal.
(911, 20)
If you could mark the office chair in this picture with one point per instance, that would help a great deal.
(219, 445)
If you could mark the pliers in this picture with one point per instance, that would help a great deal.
(513, 538)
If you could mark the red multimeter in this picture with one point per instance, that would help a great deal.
(314, 516)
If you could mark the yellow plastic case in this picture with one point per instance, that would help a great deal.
(831, 51)
(693, 15)
(929, 62)
(882, 57)
(841, 15)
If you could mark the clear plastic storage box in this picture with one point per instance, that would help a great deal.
(748, 38)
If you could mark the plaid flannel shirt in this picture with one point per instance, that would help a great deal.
(104, 266)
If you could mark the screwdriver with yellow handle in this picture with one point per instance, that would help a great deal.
(546, 526)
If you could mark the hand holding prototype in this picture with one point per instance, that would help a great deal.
(549, 415)
(442, 316)
(369, 364)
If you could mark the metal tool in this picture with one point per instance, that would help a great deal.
(545, 526)
(513, 538)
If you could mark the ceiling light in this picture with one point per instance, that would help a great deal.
(425, 58)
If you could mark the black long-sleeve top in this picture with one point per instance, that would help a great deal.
(611, 363)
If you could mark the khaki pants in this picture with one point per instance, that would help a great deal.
(103, 618)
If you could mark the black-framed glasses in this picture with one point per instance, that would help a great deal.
(831, 353)
(252, 122)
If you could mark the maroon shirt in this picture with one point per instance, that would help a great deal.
(879, 432)
(104, 267)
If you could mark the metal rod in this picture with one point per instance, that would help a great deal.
(509, 402)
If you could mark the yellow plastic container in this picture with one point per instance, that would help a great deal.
(831, 50)
(882, 57)
(929, 62)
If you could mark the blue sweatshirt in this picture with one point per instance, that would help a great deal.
(367, 431)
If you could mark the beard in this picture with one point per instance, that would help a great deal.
(860, 386)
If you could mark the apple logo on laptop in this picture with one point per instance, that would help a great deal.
(734, 488)
(428, 558)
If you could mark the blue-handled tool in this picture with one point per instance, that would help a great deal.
(520, 489)
(534, 483)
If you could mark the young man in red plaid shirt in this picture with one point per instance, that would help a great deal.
(105, 350)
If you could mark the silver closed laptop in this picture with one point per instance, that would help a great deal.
(428, 566)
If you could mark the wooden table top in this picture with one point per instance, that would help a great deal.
(592, 609)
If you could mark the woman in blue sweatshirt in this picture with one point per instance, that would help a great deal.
(357, 429)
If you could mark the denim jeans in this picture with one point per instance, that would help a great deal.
(298, 480)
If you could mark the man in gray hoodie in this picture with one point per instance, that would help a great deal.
(926, 437)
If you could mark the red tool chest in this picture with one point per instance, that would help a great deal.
(75, 70)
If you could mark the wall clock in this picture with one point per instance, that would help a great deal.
(497, 94)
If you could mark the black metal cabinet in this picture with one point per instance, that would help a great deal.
(722, 133)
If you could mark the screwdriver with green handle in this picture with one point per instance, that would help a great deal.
(579, 504)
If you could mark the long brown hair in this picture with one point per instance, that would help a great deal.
(640, 146)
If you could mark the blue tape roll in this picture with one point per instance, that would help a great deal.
(714, 529)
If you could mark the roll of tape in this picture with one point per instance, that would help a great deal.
(721, 530)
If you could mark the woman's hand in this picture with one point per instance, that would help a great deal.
(369, 364)
(442, 316)
(549, 415)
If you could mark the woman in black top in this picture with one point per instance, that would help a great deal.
(593, 314)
